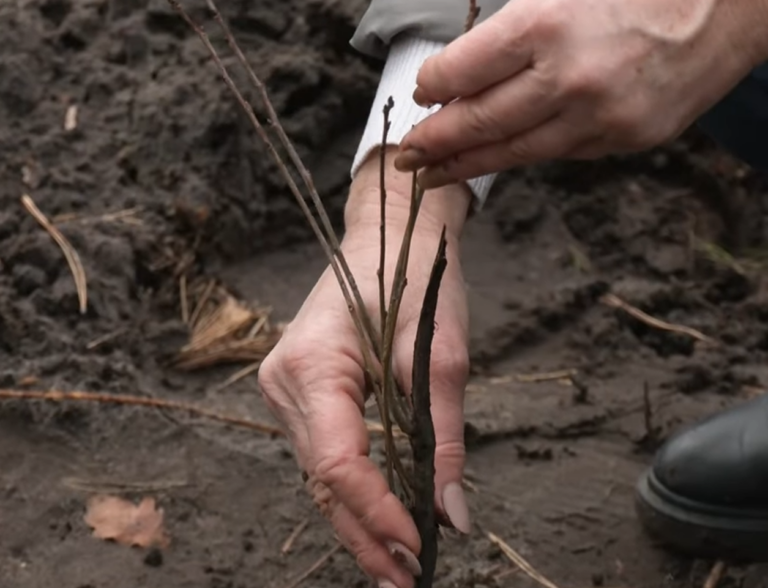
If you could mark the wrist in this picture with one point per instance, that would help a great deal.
(447, 206)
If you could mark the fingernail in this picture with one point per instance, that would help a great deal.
(455, 505)
(420, 98)
(386, 584)
(435, 177)
(410, 159)
(405, 556)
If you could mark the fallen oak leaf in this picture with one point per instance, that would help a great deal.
(124, 522)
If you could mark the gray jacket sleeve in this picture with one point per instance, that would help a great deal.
(435, 20)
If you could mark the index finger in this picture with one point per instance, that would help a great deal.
(494, 50)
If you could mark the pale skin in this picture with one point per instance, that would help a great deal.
(578, 79)
(539, 80)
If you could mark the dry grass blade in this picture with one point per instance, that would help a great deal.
(238, 375)
(315, 566)
(520, 561)
(184, 299)
(104, 339)
(225, 330)
(715, 575)
(546, 376)
(288, 544)
(73, 259)
(127, 215)
(616, 302)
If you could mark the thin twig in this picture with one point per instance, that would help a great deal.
(423, 438)
(126, 400)
(78, 396)
(384, 409)
(715, 575)
(355, 311)
(315, 566)
(401, 410)
(474, 12)
(520, 561)
(201, 303)
(103, 339)
(288, 544)
(73, 259)
(616, 302)
(306, 177)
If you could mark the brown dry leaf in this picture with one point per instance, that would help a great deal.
(124, 522)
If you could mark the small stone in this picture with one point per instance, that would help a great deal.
(154, 558)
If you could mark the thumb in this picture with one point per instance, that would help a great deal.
(449, 371)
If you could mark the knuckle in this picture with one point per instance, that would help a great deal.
(450, 363)
(551, 19)
(481, 120)
(521, 150)
(627, 124)
(453, 451)
(586, 81)
(366, 553)
(331, 470)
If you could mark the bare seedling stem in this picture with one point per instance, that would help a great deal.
(355, 311)
(274, 122)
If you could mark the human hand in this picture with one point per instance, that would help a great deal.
(578, 79)
(313, 379)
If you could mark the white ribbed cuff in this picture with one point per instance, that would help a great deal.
(398, 80)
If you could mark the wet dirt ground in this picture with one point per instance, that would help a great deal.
(679, 233)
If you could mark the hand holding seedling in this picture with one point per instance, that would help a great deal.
(575, 79)
(314, 378)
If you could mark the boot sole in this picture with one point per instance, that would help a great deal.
(699, 530)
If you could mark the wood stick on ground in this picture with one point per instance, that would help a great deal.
(315, 566)
(306, 177)
(616, 302)
(73, 259)
(423, 437)
(520, 561)
(98, 397)
(79, 396)
(715, 575)
(298, 530)
(355, 311)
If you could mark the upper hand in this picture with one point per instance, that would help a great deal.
(578, 79)
(313, 380)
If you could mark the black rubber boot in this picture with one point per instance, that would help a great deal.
(706, 494)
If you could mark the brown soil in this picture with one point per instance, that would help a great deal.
(554, 470)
